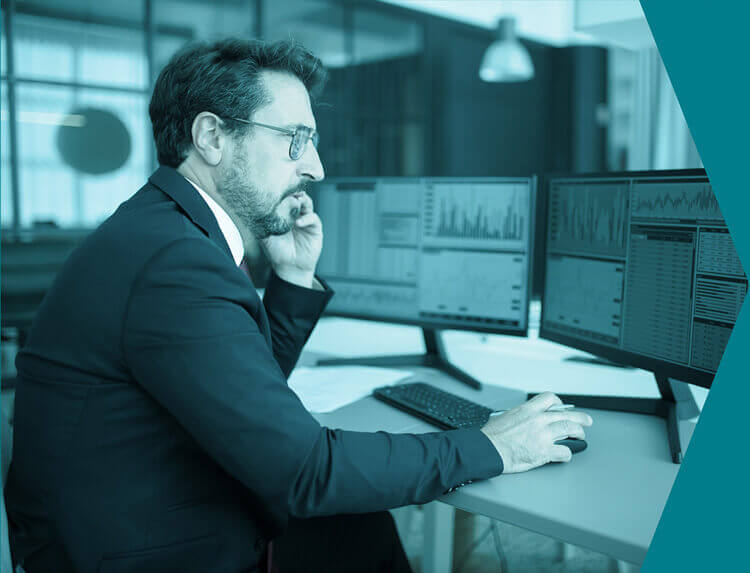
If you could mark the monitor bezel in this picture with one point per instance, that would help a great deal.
(437, 325)
(658, 366)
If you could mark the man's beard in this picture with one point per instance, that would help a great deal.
(257, 210)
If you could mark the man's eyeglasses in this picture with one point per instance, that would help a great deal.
(300, 136)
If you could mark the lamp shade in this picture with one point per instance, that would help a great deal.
(506, 59)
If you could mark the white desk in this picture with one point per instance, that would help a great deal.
(609, 498)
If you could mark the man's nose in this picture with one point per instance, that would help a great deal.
(309, 165)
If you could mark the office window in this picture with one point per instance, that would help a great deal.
(318, 24)
(6, 198)
(3, 47)
(72, 56)
(6, 194)
(647, 129)
(83, 134)
(124, 14)
(177, 22)
(69, 51)
(101, 194)
(47, 184)
(54, 191)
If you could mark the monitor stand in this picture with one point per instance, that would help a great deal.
(434, 357)
(676, 404)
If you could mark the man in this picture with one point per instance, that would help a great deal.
(154, 427)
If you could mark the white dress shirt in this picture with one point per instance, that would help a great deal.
(226, 225)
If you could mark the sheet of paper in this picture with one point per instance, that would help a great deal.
(323, 389)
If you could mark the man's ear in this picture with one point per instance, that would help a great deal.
(209, 139)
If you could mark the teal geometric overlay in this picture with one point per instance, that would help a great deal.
(704, 46)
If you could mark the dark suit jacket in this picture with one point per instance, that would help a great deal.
(154, 428)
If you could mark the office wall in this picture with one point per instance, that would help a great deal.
(430, 114)
(546, 124)
(484, 128)
(373, 119)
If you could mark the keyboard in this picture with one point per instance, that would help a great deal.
(436, 406)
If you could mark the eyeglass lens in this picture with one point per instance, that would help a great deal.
(300, 140)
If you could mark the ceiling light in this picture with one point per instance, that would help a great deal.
(506, 59)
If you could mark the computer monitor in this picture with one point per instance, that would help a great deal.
(440, 253)
(640, 269)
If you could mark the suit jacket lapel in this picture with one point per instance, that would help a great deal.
(184, 194)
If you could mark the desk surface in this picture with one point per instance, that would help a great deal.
(609, 498)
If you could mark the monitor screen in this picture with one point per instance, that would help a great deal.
(441, 253)
(640, 268)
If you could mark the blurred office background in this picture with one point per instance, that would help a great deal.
(404, 99)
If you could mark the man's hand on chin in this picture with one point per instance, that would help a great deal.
(294, 255)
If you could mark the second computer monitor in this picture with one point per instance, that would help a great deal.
(640, 268)
(439, 252)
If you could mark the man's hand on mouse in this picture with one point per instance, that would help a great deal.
(525, 436)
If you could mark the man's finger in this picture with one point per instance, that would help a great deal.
(307, 220)
(566, 429)
(306, 203)
(543, 401)
(560, 453)
(575, 416)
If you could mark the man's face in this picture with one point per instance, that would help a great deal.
(258, 181)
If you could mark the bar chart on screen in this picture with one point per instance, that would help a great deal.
(459, 215)
(589, 218)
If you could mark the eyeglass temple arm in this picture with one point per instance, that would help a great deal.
(280, 129)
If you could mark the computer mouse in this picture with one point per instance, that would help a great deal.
(574, 444)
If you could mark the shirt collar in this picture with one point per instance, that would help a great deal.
(226, 225)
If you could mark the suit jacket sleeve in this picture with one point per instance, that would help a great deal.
(191, 339)
(292, 312)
